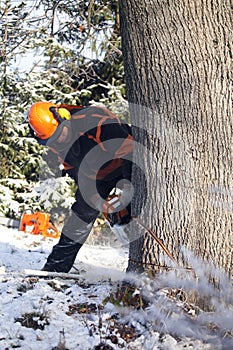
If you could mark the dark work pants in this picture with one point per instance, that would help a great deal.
(77, 227)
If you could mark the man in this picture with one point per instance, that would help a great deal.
(95, 148)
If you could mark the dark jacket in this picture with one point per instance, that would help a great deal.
(101, 145)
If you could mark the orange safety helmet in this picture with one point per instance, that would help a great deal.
(44, 120)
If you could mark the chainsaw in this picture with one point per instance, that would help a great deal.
(115, 214)
(33, 223)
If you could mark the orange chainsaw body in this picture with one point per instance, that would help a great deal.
(38, 223)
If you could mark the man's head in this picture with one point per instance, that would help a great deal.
(45, 117)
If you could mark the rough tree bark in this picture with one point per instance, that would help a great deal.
(177, 58)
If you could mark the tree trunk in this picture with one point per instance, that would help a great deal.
(177, 57)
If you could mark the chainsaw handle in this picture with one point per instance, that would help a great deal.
(55, 234)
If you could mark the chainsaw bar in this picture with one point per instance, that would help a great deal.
(158, 240)
(9, 222)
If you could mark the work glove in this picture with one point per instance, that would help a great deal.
(116, 209)
(116, 212)
(126, 194)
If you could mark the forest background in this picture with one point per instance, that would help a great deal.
(70, 52)
(59, 51)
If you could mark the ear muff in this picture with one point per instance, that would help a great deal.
(64, 113)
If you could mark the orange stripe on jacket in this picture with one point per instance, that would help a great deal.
(98, 133)
(110, 168)
(103, 118)
(70, 108)
(125, 148)
(108, 114)
(66, 165)
(79, 116)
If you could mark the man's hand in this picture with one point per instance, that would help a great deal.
(127, 194)
(115, 209)
(116, 212)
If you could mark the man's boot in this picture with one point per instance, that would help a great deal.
(63, 255)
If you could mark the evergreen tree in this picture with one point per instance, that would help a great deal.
(75, 57)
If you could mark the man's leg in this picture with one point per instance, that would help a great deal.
(77, 229)
(74, 234)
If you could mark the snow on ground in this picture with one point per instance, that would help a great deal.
(58, 314)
